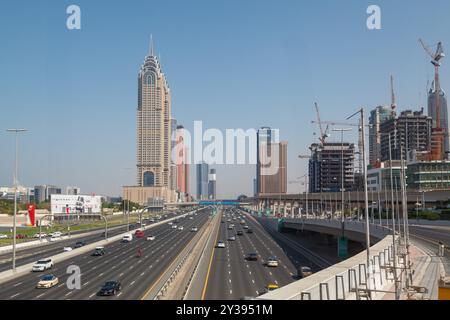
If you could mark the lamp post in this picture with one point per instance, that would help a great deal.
(16, 182)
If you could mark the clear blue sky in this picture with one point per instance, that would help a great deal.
(232, 64)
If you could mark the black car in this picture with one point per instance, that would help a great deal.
(99, 251)
(110, 288)
(249, 231)
(252, 256)
(80, 244)
(240, 233)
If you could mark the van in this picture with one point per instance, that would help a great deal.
(127, 238)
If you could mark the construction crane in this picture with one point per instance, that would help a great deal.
(438, 132)
(323, 134)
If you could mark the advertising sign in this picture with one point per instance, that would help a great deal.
(32, 214)
(74, 204)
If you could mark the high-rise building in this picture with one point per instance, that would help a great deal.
(377, 116)
(202, 181)
(212, 184)
(173, 166)
(443, 115)
(271, 167)
(43, 192)
(182, 163)
(73, 191)
(153, 125)
(326, 165)
(410, 131)
(153, 143)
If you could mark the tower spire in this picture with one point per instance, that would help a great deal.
(151, 51)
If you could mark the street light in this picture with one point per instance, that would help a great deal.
(342, 130)
(16, 182)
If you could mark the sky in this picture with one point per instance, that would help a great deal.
(231, 64)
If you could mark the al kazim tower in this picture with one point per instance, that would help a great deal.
(153, 135)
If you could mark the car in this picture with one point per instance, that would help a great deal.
(252, 256)
(47, 281)
(222, 221)
(191, 218)
(228, 220)
(151, 238)
(20, 236)
(110, 288)
(55, 237)
(99, 251)
(230, 227)
(152, 220)
(80, 244)
(174, 227)
(272, 262)
(55, 234)
(242, 222)
(67, 249)
(127, 238)
(37, 235)
(270, 287)
(232, 238)
(303, 272)
(139, 234)
(194, 229)
(220, 244)
(249, 230)
(245, 227)
(240, 233)
(4, 236)
(42, 265)
(170, 223)
(180, 228)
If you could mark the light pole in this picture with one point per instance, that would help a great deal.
(342, 130)
(16, 182)
(366, 196)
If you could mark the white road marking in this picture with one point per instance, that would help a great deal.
(92, 295)
(17, 284)
(12, 297)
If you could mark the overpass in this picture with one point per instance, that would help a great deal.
(330, 202)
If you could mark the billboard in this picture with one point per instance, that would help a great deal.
(61, 204)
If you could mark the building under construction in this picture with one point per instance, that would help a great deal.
(325, 167)
(410, 132)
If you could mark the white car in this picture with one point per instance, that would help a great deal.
(170, 223)
(55, 238)
(47, 281)
(55, 234)
(3, 236)
(220, 244)
(180, 228)
(42, 265)
(127, 238)
(272, 262)
(194, 229)
(150, 238)
(174, 227)
(67, 249)
(232, 238)
(42, 235)
(191, 218)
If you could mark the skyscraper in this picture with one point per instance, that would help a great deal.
(377, 116)
(443, 115)
(202, 181)
(271, 167)
(181, 155)
(153, 125)
(212, 184)
(153, 142)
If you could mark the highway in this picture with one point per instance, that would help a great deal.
(31, 254)
(119, 263)
(231, 277)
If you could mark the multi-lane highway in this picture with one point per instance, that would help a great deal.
(31, 254)
(119, 263)
(231, 276)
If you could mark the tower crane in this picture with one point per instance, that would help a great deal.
(323, 134)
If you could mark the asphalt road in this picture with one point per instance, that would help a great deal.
(119, 263)
(231, 277)
(429, 237)
(32, 254)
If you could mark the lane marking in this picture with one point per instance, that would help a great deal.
(210, 264)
